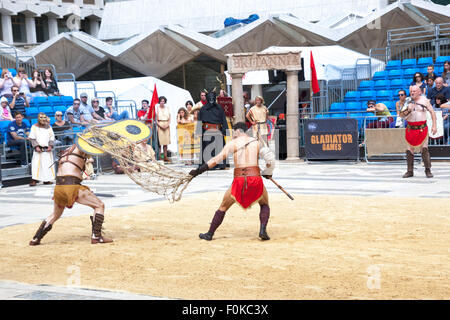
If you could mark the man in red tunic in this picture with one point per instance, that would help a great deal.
(416, 133)
(247, 187)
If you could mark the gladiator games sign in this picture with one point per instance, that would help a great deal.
(331, 139)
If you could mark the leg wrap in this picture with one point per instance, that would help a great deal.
(426, 158)
(410, 164)
(264, 214)
(97, 223)
(40, 233)
(216, 221)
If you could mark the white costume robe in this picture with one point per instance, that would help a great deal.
(41, 162)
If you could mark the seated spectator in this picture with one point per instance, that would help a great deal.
(75, 115)
(17, 101)
(382, 112)
(446, 73)
(24, 84)
(144, 113)
(430, 84)
(6, 111)
(99, 111)
(400, 123)
(50, 85)
(112, 113)
(189, 105)
(430, 73)
(442, 104)
(6, 82)
(117, 168)
(418, 81)
(439, 88)
(182, 116)
(18, 132)
(38, 87)
(61, 128)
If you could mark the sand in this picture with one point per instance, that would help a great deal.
(322, 247)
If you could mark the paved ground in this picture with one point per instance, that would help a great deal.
(23, 204)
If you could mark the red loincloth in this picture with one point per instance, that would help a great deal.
(247, 194)
(416, 138)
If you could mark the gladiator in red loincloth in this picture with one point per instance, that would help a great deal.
(416, 133)
(247, 187)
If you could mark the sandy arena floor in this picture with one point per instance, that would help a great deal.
(322, 247)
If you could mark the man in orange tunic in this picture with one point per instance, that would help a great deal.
(247, 187)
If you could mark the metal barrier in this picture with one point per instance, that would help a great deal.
(85, 86)
(67, 83)
(129, 105)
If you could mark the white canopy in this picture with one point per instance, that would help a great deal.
(328, 60)
(138, 89)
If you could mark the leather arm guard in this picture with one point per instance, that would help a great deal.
(269, 158)
(199, 170)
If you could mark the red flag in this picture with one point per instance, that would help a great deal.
(314, 81)
(155, 100)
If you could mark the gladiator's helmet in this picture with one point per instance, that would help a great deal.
(211, 97)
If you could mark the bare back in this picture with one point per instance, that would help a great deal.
(246, 151)
(69, 164)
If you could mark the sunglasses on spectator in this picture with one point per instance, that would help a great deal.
(76, 103)
(96, 101)
(58, 115)
(401, 94)
(15, 90)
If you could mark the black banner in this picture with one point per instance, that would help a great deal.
(331, 139)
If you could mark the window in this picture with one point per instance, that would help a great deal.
(18, 28)
(88, 1)
(41, 29)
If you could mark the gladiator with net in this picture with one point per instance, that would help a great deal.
(247, 187)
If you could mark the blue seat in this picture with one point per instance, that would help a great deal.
(366, 85)
(67, 100)
(54, 100)
(47, 110)
(397, 84)
(424, 71)
(409, 74)
(384, 95)
(395, 74)
(367, 95)
(439, 71)
(351, 96)
(440, 61)
(34, 121)
(4, 125)
(408, 63)
(359, 116)
(393, 64)
(389, 104)
(52, 120)
(381, 84)
(338, 115)
(14, 71)
(337, 106)
(424, 62)
(32, 112)
(353, 106)
(380, 75)
(60, 108)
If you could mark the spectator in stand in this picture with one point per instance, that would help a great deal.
(61, 128)
(24, 84)
(430, 73)
(382, 112)
(143, 114)
(182, 116)
(99, 112)
(418, 81)
(6, 111)
(195, 110)
(6, 83)
(163, 122)
(189, 105)
(51, 87)
(112, 113)
(430, 84)
(42, 140)
(17, 101)
(202, 101)
(400, 123)
(74, 115)
(38, 87)
(223, 93)
(439, 88)
(442, 104)
(87, 110)
(446, 73)
(18, 132)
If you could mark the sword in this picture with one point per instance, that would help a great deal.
(281, 188)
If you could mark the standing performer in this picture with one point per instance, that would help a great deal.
(214, 126)
(163, 122)
(247, 187)
(416, 132)
(257, 115)
(69, 190)
(42, 140)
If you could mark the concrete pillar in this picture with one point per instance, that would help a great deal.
(30, 27)
(52, 27)
(238, 98)
(256, 91)
(7, 29)
(94, 27)
(292, 116)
